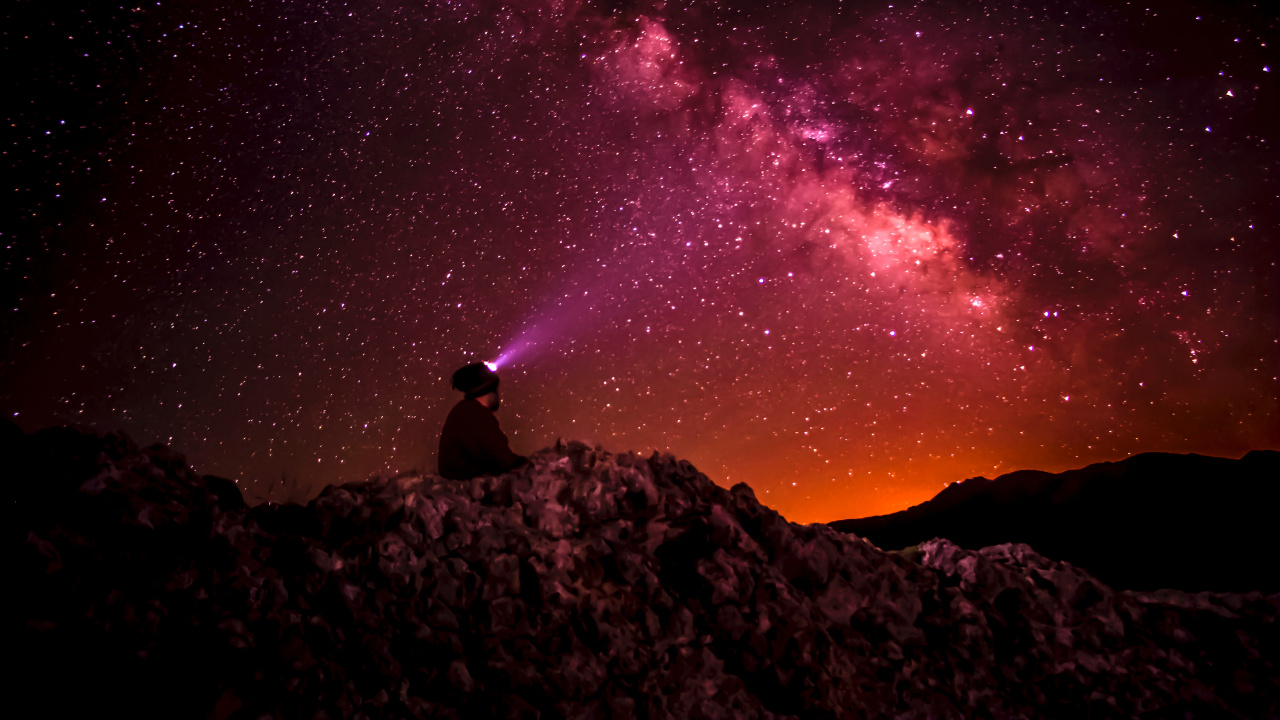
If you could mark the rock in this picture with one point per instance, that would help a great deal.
(585, 584)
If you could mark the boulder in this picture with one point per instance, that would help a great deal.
(586, 584)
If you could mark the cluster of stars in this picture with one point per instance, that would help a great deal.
(845, 253)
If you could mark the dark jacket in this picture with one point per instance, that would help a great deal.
(472, 444)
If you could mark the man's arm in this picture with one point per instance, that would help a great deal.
(495, 447)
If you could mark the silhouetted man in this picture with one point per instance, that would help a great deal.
(471, 443)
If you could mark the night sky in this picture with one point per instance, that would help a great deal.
(845, 252)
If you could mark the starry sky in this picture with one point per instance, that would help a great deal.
(845, 252)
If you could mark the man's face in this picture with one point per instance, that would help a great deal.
(490, 400)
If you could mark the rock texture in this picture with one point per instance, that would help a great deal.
(585, 585)
(1156, 520)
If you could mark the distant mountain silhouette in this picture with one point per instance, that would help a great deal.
(1156, 520)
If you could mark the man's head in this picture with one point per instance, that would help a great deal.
(479, 382)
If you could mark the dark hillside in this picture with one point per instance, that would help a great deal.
(585, 585)
(1155, 520)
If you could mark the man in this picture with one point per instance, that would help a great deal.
(471, 443)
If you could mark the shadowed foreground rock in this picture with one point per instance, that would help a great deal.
(584, 585)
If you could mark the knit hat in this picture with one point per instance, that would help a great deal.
(475, 380)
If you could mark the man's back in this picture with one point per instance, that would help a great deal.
(472, 443)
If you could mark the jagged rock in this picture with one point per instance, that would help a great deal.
(584, 585)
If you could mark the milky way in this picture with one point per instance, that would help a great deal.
(843, 252)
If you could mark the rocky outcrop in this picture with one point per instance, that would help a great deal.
(1156, 520)
(584, 585)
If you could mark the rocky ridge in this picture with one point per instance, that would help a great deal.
(1155, 520)
(584, 585)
